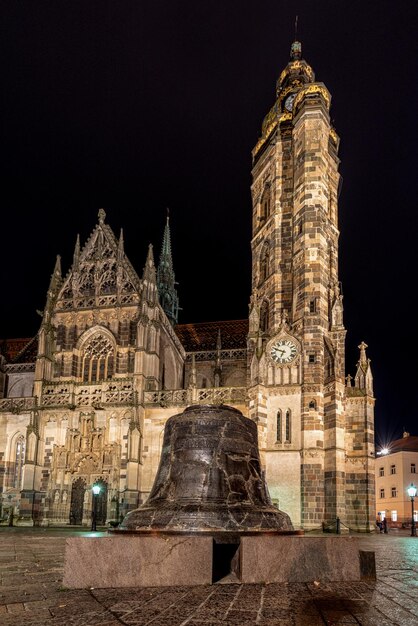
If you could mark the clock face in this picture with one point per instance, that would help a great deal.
(283, 351)
(288, 103)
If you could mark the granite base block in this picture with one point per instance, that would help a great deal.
(303, 559)
(132, 561)
(160, 561)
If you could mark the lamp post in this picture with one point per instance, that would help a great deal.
(96, 490)
(412, 492)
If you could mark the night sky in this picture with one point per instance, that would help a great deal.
(136, 106)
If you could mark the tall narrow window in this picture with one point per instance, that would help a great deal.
(19, 459)
(381, 471)
(264, 262)
(265, 205)
(279, 426)
(393, 469)
(264, 317)
(413, 468)
(394, 492)
(382, 493)
(288, 426)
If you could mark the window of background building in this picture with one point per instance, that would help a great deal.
(413, 468)
(381, 471)
(393, 469)
(394, 492)
(416, 516)
(382, 493)
(394, 516)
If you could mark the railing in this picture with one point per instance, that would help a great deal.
(12, 368)
(121, 392)
(16, 405)
(212, 395)
(235, 354)
(115, 392)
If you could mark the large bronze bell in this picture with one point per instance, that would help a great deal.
(209, 478)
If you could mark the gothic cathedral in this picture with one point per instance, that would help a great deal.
(86, 400)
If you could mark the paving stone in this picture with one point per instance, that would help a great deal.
(30, 585)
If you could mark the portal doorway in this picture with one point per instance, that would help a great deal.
(77, 501)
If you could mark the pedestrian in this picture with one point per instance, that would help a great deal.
(385, 526)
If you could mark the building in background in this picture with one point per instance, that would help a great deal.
(86, 401)
(396, 468)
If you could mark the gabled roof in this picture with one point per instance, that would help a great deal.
(100, 267)
(203, 336)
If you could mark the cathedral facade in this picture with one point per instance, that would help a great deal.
(85, 401)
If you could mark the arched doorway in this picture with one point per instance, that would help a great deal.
(77, 501)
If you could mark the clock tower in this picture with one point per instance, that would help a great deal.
(296, 359)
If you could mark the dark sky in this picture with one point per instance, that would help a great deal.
(138, 105)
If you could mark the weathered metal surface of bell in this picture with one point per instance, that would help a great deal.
(209, 478)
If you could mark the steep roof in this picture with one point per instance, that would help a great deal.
(408, 443)
(21, 350)
(203, 336)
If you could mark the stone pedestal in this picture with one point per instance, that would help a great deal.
(137, 561)
(158, 560)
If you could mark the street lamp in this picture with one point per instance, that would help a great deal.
(96, 490)
(412, 492)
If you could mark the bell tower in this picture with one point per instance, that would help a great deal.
(296, 333)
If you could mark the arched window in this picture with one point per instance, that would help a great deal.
(98, 359)
(312, 404)
(18, 461)
(288, 427)
(264, 262)
(279, 426)
(265, 205)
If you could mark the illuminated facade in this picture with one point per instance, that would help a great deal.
(396, 470)
(112, 364)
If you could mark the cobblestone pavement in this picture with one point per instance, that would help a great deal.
(31, 565)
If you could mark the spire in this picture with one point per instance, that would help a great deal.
(149, 269)
(54, 285)
(165, 278)
(149, 279)
(56, 277)
(120, 246)
(76, 256)
(363, 378)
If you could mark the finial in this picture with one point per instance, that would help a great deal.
(296, 47)
(102, 216)
(150, 255)
(362, 347)
(120, 245)
(57, 268)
